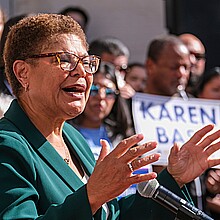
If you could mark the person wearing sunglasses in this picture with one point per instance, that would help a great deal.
(94, 123)
(47, 169)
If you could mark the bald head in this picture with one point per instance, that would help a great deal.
(193, 43)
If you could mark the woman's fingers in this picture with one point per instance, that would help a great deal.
(209, 139)
(212, 148)
(200, 134)
(131, 157)
(126, 144)
(141, 162)
(104, 151)
(213, 162)
(173, 157)
(142, 177)
(138, 151)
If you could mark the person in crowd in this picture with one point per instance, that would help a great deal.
(78, 14)
(2, 20)
(94, 123)
(47, 169)
(6, 94)
(136, 76)
(209, 88)
(5, 101)
(114, 51)
(4, 85)
(213, 187)
(168, 66)
(209, 84)
(197, 58)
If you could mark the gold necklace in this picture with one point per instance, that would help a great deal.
(67, 156)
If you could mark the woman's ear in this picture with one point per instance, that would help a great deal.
(21, 71)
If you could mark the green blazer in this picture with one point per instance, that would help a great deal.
(35, 182)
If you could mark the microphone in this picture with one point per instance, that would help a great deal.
(183, 209)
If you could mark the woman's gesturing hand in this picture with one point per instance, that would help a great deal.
(193, 158)
(113, 172)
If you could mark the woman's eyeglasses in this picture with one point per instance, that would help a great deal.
(69, 61)
(110, 93)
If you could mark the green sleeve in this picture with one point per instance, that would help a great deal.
(20, 191)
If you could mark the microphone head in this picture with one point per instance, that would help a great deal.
(147, 189)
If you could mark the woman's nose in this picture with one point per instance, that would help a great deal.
(79, 70)
(102, 93)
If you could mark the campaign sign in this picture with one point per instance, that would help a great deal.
(171, 119)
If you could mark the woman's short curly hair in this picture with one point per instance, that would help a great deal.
(33, 34)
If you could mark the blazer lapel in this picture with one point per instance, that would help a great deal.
(44, 149)
(81, 149)
(55, 161)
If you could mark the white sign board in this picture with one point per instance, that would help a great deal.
(168, 120)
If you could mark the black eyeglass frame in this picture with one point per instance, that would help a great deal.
(80, 59)
(198, 56)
